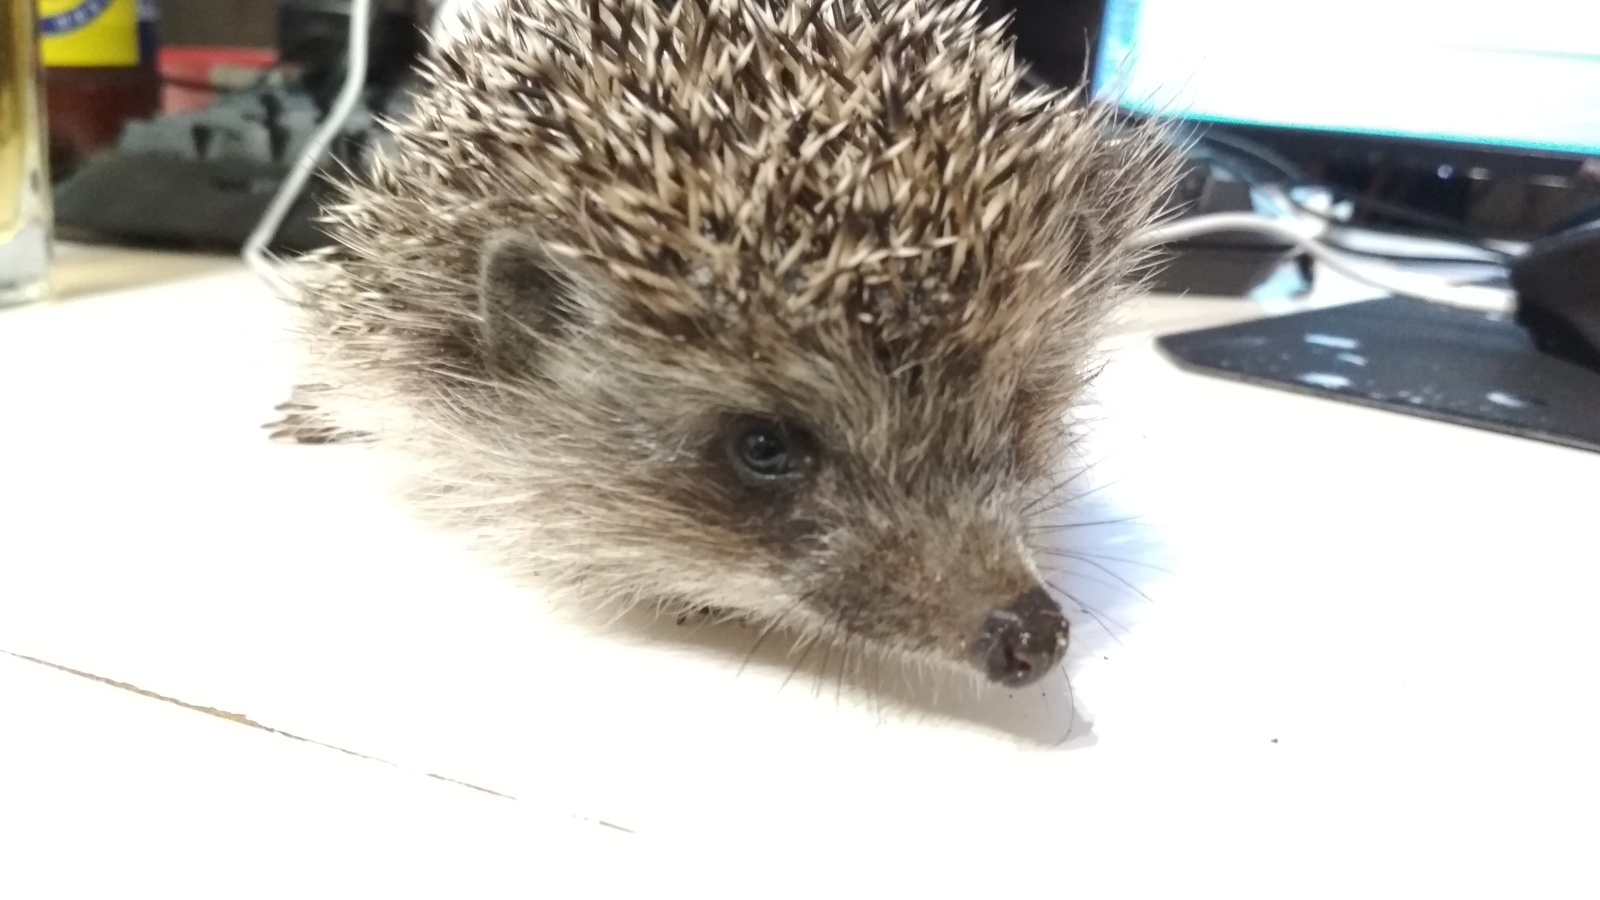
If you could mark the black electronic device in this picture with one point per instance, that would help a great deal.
(1056, 37)
(1412, 86)
(204, 178)
(1412, 357)
(1221, 263)
(313, 36)
(1383, 103)
(1266, 102)
(1557, 282)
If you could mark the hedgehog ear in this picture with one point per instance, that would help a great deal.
(523, 291)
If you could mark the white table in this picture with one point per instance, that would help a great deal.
(1365, 666)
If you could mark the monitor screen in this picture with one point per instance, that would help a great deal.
(1522, 75)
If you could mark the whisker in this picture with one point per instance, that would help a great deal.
(1080, 576)
(1063, 526)
(755, 647)
(1085, 555)
(1054, 489)
(806, 654)
(830, 644)
(875, 659)
(844, 662)
(1109, 571)
(1072, 707)
(1075, 498)
(1086, 609)
(909, 674)
(623, 607)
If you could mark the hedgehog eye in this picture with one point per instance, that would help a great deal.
(767, 453)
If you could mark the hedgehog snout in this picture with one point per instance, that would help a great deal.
(1022, 641)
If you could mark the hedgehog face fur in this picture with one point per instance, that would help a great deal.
(769, 307)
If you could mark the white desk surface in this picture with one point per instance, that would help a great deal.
(1365, 666)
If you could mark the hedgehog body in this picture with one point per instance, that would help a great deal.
(770, 307)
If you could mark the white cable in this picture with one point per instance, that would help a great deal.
(355, 78)
(1307, 234)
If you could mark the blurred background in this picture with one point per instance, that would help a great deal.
(1409, 144)
(201, 50)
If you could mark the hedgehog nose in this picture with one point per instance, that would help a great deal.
(1022, 641)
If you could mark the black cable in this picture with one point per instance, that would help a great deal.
(1426, 220)
(1290, 176)
(1583, 216)
(1288, 172)
(1464, 238)
(1501, 257)
(1286, 169)
(1415, 258)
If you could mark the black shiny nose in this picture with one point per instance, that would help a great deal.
(1021, 642)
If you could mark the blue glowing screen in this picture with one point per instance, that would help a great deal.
(1516, 75)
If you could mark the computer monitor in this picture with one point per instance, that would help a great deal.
(1509, 86)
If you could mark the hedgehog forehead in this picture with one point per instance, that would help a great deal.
(835, 158)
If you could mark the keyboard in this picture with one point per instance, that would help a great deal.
(203, 179)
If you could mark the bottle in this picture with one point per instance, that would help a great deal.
(25, 213)
(100, 72)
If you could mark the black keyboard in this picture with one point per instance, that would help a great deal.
(203, 179)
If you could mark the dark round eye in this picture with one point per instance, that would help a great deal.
(768, 451)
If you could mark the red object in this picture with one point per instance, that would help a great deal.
(194, 76)
(88, 106)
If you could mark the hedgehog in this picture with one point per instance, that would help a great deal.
(772, 309)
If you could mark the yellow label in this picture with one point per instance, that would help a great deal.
(89, 32)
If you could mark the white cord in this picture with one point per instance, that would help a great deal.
(1307, 234)
(355, 78)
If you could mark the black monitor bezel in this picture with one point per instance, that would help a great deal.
(1478, 161)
